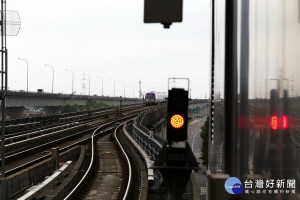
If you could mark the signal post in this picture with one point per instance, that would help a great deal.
(176, 159)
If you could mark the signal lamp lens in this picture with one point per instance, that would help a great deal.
(274, 122)
(177, 121)
(284, 122)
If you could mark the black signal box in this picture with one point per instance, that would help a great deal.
(178, 107)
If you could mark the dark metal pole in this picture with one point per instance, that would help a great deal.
(244, 79)
(212, 82)
(3, 102)
(230, 78)
(3, 89)
(3, 92)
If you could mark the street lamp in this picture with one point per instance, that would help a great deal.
(102, 83)
(114, 85)
(52, 75)
(27, 70)
(124, 86)
(72, 80)
(89, 82)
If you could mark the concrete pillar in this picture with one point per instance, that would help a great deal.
(55, 156)
(117, 111)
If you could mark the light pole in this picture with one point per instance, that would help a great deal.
(89, 82)
(102, 83)
(52, 75)
(27, 70)
(132, 90)
(114, 86)
(72, 80)
(124, 87)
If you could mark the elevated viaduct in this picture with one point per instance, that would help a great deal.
(51, 103)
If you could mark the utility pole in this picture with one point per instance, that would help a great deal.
(52, 76)
(14, 21)
(140, 89)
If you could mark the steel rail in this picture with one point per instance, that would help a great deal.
(89, 168)
(95, 134)
(128, 162)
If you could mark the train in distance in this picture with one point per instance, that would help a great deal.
(152, 98)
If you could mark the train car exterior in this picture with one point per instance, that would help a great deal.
(255, 97)
(150, 99)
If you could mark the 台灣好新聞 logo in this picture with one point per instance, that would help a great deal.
(233, 185)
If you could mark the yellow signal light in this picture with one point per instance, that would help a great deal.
(177, 121)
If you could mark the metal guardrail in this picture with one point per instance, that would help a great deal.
(145, 156)
(145, 138)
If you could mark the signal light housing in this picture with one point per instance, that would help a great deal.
(177, 115)
(279, 110)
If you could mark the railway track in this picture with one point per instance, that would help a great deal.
(113, 173)
(27, 125)
(17, 165)
(110, 169)
(18, 141)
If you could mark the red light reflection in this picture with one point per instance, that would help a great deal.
(274, 122)
(284, 122)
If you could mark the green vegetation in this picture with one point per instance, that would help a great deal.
(70, 108)
(92, 104)
(204, 135)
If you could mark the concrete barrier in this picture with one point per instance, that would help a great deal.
(37, 173)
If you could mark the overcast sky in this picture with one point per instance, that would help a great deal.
(107, 39)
